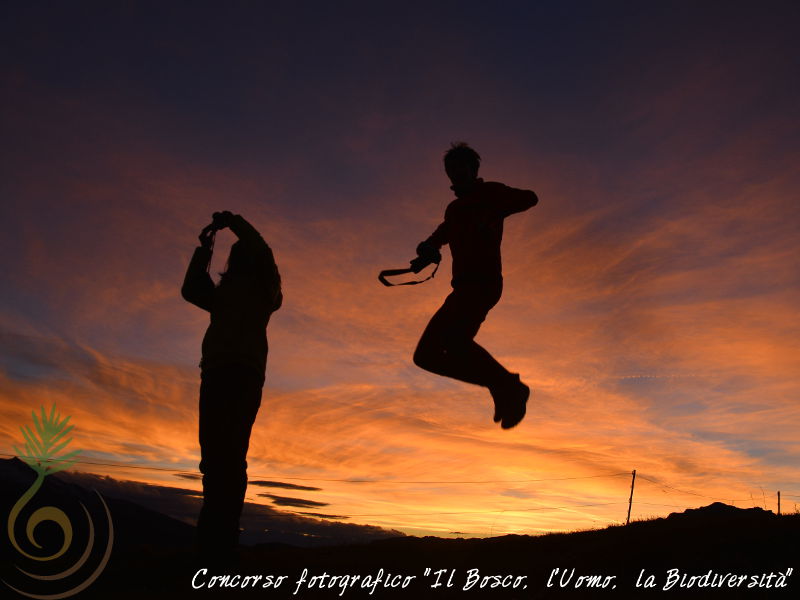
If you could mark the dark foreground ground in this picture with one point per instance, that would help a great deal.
(152, 557)
(719, 539)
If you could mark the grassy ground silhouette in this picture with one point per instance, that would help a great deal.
(730, 552)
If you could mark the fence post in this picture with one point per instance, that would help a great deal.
(630, 500)
(779, 503)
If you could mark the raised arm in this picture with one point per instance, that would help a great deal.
(250, 236)
(439, 237)
(245, 232)
(198, 288)
(428, 250)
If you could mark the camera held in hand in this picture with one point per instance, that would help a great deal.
(426, 255)
(221, 220)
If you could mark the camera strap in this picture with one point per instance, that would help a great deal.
(213, 237)
(392, 272)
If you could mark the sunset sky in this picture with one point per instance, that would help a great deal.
(651, 298)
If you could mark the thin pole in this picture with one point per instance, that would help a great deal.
(779, 503)
(630, 500)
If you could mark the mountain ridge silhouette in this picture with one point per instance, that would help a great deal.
(716, 538)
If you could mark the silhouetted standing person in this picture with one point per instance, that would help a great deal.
(473, 228)
(233, 365)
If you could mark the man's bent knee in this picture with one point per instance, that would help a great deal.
(425, 357)
(421, 359)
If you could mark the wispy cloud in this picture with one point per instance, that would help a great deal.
(295, 502)
(287, 486)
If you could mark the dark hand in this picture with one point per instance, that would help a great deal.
(207, 236)
(419, 263)
(428, 252)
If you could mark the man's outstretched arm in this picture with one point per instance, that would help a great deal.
(428, 250)
(438, 238)
(512, 200)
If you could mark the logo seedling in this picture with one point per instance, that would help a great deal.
(49, 577)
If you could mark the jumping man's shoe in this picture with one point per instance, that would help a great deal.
(510, 399)
(515, 411)
(498, 396)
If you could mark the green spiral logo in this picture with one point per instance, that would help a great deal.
(43, 443)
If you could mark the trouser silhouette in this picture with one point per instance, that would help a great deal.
(230, 397)
(447, 346)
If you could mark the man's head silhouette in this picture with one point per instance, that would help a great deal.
(461, 163)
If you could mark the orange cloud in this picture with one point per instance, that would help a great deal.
(652, 309)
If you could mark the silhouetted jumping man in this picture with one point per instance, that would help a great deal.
(233, 365)
(473, 227)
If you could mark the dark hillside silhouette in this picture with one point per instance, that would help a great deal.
(153, 555)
